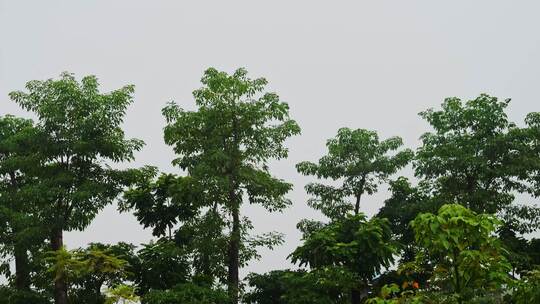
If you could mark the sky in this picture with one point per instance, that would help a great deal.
(356, 64)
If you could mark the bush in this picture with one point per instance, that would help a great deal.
(186, 294)
(528, 289)
(10, 295)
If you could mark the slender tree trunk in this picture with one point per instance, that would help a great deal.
(359, 193)
(22, 271)
(234, 259)
(357, 205)
(457, 279)
(233, 279)
(355, 296)
(60, 286)
(355, 292)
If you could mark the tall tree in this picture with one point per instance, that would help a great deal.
(83, 129)
(226, 145)
(18, 226)
(361, 161)
(477, 157)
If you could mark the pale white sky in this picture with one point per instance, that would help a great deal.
(358, 64)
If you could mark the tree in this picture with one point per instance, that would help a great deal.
(18, 229)
(464, 249)
(82, 128)
(359, 159)
(476, 157)
(358, 247)
(226, 145)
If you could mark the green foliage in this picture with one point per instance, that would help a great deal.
(161, 265)
(355, 248)
(392, 294)
(405, 203)
(82, 128)
(465, 252)
(80, 131)
(19, 227)
(477, 157)
(123, 294)
(228, 141)
(527, 290)
(12, 296)
(322, 286)
(361, 161)
(162, 202)
(363, 246)
(186, 294)
(173, 206)
(268, 288)
(87, 270)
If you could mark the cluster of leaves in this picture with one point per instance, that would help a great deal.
(87, 271)
(360, 246)
(188, 293)
(468, 255)
(527, 290)
(13, 296)
(360, 161)
(322, 286)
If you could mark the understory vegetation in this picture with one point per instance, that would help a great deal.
(453, 233)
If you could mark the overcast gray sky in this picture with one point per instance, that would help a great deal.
(358, 64)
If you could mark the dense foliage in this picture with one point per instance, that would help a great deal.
(458, 232)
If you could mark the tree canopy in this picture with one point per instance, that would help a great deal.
(459, 231)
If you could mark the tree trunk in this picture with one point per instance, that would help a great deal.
(355, 296)
(234, 259)
(22, 271)
(60, 286)
(357, 205)
(234, 201)
(457, 277)
(359, 193)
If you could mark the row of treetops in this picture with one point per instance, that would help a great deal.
(55, 177)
